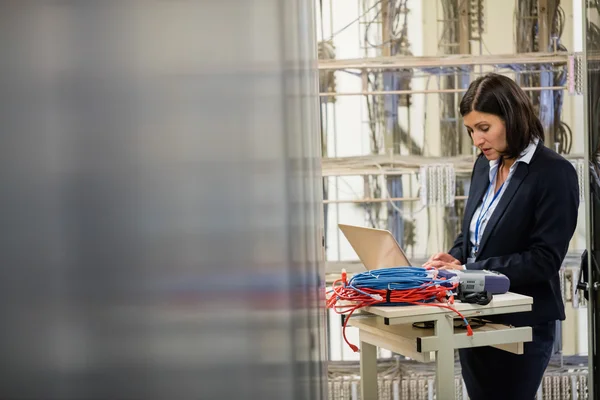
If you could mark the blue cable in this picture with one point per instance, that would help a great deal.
(397, 278)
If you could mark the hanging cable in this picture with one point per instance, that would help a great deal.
(393, 287)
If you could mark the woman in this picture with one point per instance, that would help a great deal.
(520, 216)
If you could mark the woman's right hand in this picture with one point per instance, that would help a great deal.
(443, 257)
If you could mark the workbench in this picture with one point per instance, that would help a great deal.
(391, 328)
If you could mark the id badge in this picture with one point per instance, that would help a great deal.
(470, 260)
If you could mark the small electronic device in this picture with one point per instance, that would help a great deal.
(478, 286)
(477, 281)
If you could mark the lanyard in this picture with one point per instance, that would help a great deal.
(483, 213)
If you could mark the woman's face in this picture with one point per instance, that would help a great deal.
(488, 133)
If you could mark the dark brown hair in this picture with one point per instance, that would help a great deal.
(501, 96)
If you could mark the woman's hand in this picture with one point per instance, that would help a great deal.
(443, 261)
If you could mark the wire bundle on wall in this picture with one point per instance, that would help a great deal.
(392, 287)
(438, 185)
(549, 103)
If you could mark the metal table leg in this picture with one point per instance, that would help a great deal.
(368, 371)
(444, 361)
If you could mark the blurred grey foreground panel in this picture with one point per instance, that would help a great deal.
(160, 200)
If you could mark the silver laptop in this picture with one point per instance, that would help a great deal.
(376, 248)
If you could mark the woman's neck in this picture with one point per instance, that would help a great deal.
(506, 163)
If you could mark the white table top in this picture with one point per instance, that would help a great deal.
(500, 304)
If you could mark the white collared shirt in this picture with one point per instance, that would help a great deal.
(525, 157)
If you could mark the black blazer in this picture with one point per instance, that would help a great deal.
(528, 234)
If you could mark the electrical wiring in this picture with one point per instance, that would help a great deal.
(379, 112)
(449, 35)
(372, 209)
(349, 24)
(562, 132)
(394, 206)
(367, 28)
(397, 35)
(527, 38)
(365, 206)
(396, 286)
(402, 7)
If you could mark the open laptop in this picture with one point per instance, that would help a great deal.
(376, 248)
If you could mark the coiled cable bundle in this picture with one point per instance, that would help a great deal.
(394, 287)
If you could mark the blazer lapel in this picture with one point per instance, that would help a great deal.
(515, 181)
(480, 183)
